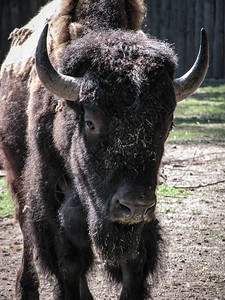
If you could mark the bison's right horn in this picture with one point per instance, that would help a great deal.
(189, 82)
(63, 86)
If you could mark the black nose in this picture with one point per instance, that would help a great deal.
(130, 207)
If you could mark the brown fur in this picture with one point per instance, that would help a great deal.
(64, 192)
(66, 24)
(135, 13)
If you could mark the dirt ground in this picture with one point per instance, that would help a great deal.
(194, 226)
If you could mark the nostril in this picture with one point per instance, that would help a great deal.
(150, 208)
(125, 209)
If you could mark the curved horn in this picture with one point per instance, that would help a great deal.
(66, 87)
(186, 85)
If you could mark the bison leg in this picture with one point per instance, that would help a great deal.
(74, 252)
(13, 153)
(27, 282)
(84, 290)
(73, 264)
(134, 281)
(133, 273)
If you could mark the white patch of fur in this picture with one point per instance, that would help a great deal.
(20, 55)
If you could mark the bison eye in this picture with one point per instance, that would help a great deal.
(90, 125)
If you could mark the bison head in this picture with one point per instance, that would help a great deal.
(120, 87)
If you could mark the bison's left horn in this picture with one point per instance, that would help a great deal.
(189, 82)
(66, 87)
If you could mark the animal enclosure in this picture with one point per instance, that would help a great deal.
(177, 21)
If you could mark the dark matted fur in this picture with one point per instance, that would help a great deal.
(63, 182)
(93, 17)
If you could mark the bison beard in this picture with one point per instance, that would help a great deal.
(121, 243)
(117, 242)
(140, 247)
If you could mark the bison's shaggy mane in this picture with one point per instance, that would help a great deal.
(117, 51)
(114, 59)
(123, 14)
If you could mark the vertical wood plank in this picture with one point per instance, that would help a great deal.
(165, 18)
(181, 35)
(209, 25)
(218, 41)
(199, 21)
(4, 15)
(224, 39)
(190, 34)
(173, 21)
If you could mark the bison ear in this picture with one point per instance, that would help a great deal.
(186, 85)
(63, 86)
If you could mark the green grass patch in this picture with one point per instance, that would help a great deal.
(169, 197)
(171, 191)
(216, 235)
(196, 212)
(191, 133)
(6, 202)
(201, 118)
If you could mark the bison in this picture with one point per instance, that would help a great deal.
(84, 118)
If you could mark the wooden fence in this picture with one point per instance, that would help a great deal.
(177, 21)
(180, 21)
(15, 13)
